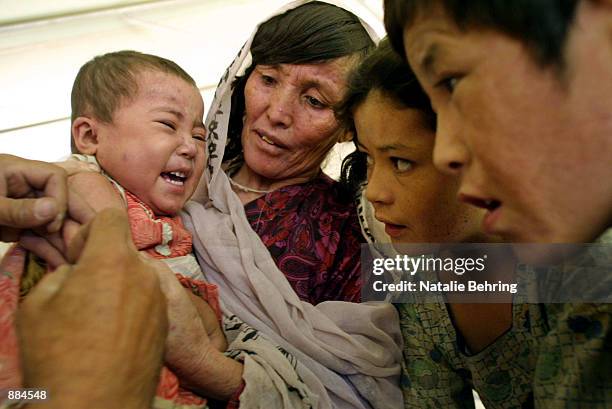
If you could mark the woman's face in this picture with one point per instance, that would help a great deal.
(289, 124)
(416, 202)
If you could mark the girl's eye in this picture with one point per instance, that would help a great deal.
(402, 165)
(199, 137)
(312, 101)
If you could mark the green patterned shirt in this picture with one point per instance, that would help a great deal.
(553, 356)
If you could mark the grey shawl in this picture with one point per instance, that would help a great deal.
(342, 355)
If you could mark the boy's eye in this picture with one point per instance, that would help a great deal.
(168, 124)
(402, 165)
(315, 103)
(449, 83)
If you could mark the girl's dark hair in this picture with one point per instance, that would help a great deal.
(312, 33)
(385, 71)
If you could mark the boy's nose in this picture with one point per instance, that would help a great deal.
(188, 146)
(450, 154)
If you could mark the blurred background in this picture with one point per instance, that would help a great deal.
(43, 44)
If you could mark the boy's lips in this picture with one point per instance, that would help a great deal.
(177, 177)
(489, 204)
(493, 207)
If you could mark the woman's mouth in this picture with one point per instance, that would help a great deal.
(267, 140)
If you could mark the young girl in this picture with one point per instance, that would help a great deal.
(449, 348)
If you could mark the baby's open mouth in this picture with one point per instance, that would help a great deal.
(176, 178)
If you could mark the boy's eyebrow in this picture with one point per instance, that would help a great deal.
(170, 111)
(429, 58)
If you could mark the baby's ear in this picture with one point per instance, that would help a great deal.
(85, 135)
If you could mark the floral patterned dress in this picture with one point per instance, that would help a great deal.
(313, 234)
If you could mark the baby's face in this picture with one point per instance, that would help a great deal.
(416, 202)
(154, 146)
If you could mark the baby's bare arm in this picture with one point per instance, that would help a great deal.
(97, 190)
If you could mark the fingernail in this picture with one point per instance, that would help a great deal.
(45, 208)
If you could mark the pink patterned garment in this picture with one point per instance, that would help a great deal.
(147, 233)
(314, 236)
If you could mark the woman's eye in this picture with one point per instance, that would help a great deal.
(266, 79)
(402, 165)
(312, 101)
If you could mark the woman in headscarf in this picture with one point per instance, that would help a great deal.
(275, 234)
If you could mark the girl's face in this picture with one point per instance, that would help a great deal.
(416, 202)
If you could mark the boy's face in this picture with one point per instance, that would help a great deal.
(533, 149)
(154, 146)
(415, 201)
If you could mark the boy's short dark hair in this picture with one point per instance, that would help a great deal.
(542, 25)
(104, 81)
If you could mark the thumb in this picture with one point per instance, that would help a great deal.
(27, 213)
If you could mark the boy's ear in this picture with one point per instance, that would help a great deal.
(85, 135)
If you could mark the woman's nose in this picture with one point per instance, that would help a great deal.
(280, 109)
(450, 154)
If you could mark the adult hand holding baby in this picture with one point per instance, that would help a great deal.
(32, 194)
(195, 340)
(107, 311)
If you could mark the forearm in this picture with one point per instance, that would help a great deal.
(216, 376)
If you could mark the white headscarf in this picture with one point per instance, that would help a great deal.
(349, 354)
